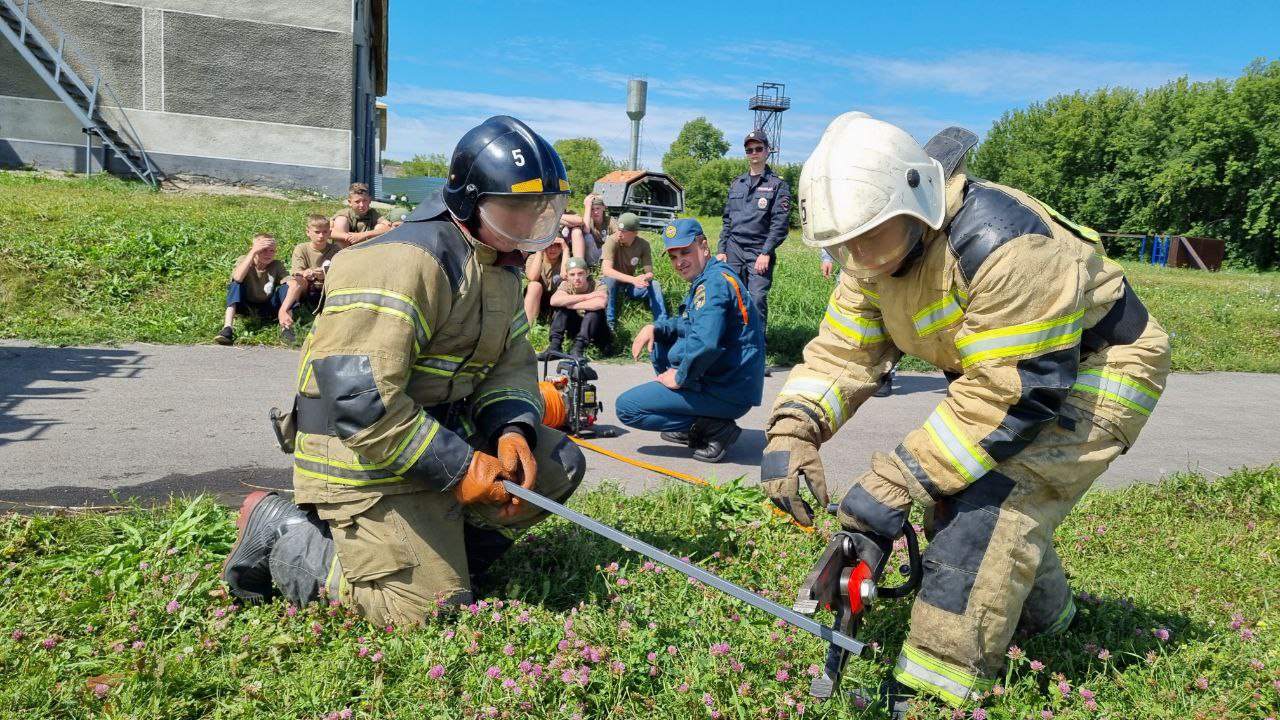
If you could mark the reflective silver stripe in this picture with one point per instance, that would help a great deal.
(379, 300)
(911, 663)
(1031, 338)
(822, 392)
(438, 364)
(967, 459)
(937, 316)
(417, 443)
(331, 472)
(1119, 388)
(860, 330)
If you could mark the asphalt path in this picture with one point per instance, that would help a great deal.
(101, 425)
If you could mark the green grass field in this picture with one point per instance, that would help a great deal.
(100, 260)
(123, 616)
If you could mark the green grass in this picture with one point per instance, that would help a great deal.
(100, 260)
(123, 616)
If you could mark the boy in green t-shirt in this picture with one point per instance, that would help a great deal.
(256, 288)
(308, 266)
(358, 221)
(627, 268)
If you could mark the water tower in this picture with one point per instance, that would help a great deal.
(769, 102)
(636, 92)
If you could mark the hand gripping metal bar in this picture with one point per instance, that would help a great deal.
(779, 611)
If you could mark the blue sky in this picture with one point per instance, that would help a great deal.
(563, 68)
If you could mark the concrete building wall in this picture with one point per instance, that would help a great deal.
(244, 92)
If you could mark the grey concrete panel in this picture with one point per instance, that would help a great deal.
(152, 60)
(174, 134)
(46, 156)
(110, 36)
(18, 79)
(252, 71)
(40, 120)
(321, 14)
(331, 181)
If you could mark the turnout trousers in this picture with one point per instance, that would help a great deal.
(396, 557)
(990, 567)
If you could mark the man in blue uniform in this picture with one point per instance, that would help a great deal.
(709, 358)
(755, 223)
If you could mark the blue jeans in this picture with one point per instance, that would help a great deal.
(654, 406)
(653, 293)
(264, 311)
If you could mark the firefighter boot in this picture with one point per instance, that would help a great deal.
(678, 437)
(717, 434)
(264, 518)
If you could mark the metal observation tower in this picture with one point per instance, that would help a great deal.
(769, 102)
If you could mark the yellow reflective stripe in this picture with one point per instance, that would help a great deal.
(1119, 388)
(534, 185)
(937, 316)
(304, 370)
(490, 398)
(921, 672)
(519, 324)
(871, 295)
(1031, 338)
(963, 297)
(822, 393)
(384, 301)
(1083, 231)
(343, 480)
(1064, 618)
(443, 365)
(858, 329)
(422, 440)
(963, 455)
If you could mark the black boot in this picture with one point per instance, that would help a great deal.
(717, 434)
(579, 349)
(556, 345)
(677, 437)
(264, 518)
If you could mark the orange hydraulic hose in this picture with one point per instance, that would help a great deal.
(693, 479)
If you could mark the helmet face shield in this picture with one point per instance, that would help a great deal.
(879, 251)
(529, 222)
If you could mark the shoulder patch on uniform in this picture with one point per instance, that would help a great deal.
(988, 219)
(699, 297)
(440, 239)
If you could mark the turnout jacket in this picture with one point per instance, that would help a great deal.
(755, 214)
(421, 345)
(1019, 307)
(715, 340)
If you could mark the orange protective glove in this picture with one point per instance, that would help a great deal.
(483, 482)
(517, 463)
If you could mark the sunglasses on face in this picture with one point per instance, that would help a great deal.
(753, 149)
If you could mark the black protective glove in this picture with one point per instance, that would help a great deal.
(792, 450)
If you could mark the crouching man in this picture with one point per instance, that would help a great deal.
(709, 358)
(416, 397)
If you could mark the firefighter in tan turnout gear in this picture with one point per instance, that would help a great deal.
(1054, 367)
(416, 395)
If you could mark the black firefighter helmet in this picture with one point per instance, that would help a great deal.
(518, 174)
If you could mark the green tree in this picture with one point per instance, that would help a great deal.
(585, 162)
(433, 165)
(699, 142)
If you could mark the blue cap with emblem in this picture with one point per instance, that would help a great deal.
(679, 233)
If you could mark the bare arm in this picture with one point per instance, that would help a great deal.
(597, 299)
(533, 271)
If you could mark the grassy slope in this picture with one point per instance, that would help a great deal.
(102, 261)
(130, 605)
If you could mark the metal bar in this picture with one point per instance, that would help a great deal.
(693, 571)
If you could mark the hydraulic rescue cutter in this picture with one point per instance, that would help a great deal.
(843, 581)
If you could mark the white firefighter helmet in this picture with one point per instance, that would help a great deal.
(863, 173)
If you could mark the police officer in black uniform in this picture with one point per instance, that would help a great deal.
(755, 223)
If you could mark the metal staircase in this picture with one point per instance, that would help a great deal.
(26, 25)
